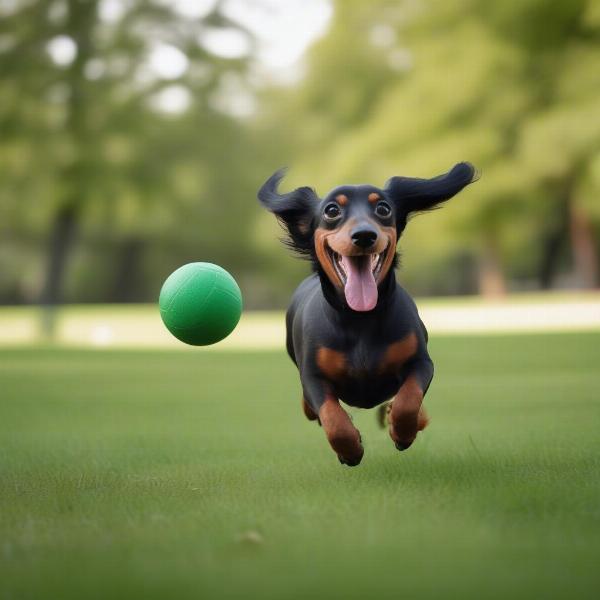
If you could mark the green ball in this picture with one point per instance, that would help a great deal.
(200, 303)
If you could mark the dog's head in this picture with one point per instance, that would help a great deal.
(351, 233)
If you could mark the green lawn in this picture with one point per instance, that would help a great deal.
(140, 474)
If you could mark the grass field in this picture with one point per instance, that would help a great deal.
(157, 474)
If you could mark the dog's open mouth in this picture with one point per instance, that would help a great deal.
(375, 261)
(359, 275)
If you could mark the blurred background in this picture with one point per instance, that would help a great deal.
(134, 135)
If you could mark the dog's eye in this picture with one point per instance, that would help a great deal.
(383, 210)
(332, 212)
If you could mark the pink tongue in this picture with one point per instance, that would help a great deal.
(360, 289)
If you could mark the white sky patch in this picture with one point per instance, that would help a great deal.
(8, 7)
(192, 9)
(57, 12)
(280, 31)
(382, 35)
(94, 69)
(401, 59)
(233, 97)
(284, 29)
(168, 62)
(62, 50)
(225, 42)
(112, 10)
(173, 99)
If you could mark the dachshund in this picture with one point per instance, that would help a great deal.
(354, 334)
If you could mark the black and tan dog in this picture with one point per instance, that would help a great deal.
(353, 332)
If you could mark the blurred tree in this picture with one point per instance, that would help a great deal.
(120, 128)
(114, 122)
(559, 133)
(411, 87)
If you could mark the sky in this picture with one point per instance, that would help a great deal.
(283, 29)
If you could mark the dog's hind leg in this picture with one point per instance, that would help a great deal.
(341, 434)
(383, 416)
(406, 414)
(343, 437)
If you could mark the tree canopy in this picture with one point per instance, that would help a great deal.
(123, 152)
(513, 87)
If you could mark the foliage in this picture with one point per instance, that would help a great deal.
(98, 172)
(511, 86)
(87, 127)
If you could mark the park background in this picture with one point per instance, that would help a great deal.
(133, 137)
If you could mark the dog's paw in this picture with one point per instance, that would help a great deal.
(401, 446)
(349, 450)
(357, 453)
(354, 462)
(404, 427)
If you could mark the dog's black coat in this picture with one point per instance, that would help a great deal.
(319, 316)
(313, 322)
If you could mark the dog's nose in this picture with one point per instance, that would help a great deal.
(364, 238)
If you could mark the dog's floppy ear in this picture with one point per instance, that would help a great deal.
(411, 194)
(294, 210)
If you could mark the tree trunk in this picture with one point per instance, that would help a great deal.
(553, 246)
(572, 226)
(583, 248)
(80, 26)
(128, 259)
(61, 241)
(492, 282)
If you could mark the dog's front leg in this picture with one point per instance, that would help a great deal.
(406, 415)
(341, 434)
(343, 437)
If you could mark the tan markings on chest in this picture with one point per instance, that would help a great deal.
(331, 363)
(398, 353)
(335, 365)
